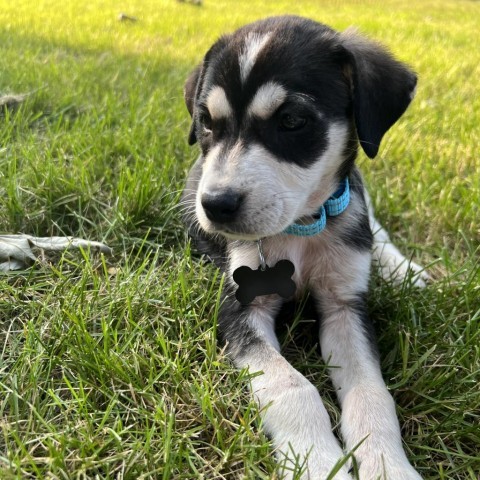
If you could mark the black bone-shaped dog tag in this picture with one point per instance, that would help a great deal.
(255, 283)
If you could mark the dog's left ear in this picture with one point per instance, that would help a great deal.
(382, 89)
(189, 94)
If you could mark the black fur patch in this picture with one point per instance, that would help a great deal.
(233, 328)
(357, 235)
(360, 308)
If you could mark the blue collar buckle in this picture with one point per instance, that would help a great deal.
(334, 206)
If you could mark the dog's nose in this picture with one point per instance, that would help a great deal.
(221, 206)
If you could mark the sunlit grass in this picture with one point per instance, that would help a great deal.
(109, 366)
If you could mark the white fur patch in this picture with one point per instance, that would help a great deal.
(253, 45)
(216, 175)
(267, 99)
(209, 162)
(218, 104)
(323, 172)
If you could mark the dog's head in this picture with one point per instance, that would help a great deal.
(278, 108)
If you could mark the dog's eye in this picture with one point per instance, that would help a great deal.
(206, 121)
(291, 122)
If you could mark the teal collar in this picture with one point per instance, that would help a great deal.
(334, 206)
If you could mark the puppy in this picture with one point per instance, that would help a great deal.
(279, 108)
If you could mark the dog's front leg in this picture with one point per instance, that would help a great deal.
(292, 411)
(369, 421)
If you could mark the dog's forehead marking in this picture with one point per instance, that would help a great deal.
(217, 103)
(254, 42)
(266, 100)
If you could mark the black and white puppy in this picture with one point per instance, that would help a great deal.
(279, 108)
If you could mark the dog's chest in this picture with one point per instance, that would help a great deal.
(313, 258)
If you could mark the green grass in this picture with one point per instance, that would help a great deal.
(109, 367)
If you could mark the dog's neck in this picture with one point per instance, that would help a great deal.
(334, 206)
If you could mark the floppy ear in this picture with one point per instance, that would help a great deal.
(189, 94)
(382, 89)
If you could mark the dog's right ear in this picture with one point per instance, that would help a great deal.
(189, 94)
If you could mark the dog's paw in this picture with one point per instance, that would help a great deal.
(387, 469)
(398, 269)
(409, 271)
(321, 474)
(319, 465)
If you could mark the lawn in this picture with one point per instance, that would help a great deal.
(109, 366)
